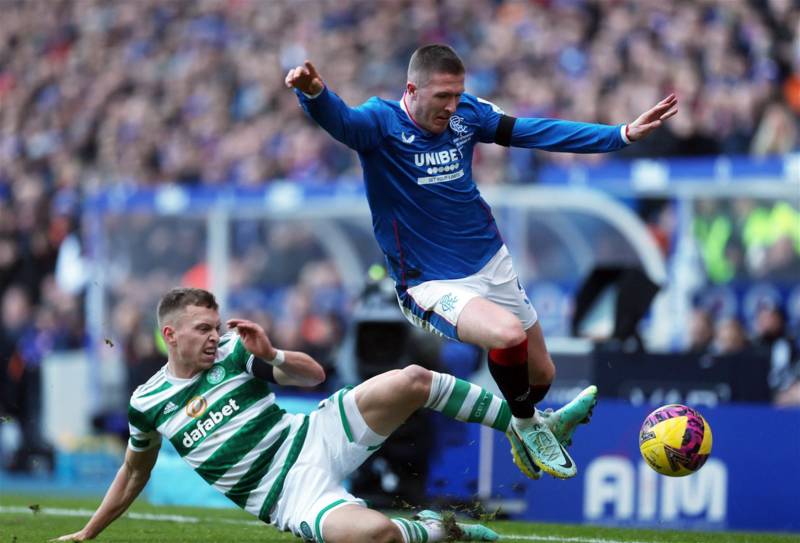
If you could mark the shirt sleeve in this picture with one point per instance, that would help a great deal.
(242, 356)
(550, 134)
(250, 362)
(566, 136)
(489, 116)
(231, 348)
(360, 128)
(143, 436)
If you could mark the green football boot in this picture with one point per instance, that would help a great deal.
(542, 446)
(562, 424)
(521, 458)
(564, 421)
(457, 531)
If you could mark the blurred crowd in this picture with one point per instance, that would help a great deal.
(748, 238)
(104, 93)
(771, 336)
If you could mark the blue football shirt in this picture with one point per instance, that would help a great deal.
(429, 218)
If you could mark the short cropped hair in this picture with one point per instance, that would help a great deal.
(433, 59)
(182, 297)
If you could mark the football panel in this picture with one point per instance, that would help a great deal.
(654, 454)
(708, 438)
(671, 431)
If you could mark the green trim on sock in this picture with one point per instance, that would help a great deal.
(481, 407)
(503, 418)
(406, 527)
(424, 532)
(456, 400)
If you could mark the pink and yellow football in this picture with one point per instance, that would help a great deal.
(675, 440)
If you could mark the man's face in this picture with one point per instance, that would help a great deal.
(193, 336)
(435, 101)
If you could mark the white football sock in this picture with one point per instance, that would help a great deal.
(420, 531)
(464, 401)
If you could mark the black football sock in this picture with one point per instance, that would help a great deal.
(509, 368)
(538, 392)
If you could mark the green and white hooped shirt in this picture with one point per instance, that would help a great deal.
(225, 424)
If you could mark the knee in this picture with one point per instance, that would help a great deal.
(508, 334)
(417, 380)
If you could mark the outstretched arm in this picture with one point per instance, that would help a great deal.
(576, 137)
(290, 367)
(127, 485)
(358, 128)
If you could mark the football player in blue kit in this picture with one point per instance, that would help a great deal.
(453, 273)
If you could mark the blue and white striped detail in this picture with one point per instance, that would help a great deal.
(427, 319)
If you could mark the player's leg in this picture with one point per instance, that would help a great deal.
(541, 372)
(533, 445)
(515, 368)
(384, 402)
(381, 404)
(499, 331)
(355, 523)
(377, 407)
(457, 310)
(461, 309)
(315, 506)
(387, 400)
(486, 324)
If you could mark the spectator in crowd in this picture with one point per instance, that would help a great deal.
(729, 337)
(772, 334)
(139, 345)
(771, 236)
(714, 231)
(746, 237)
(790, 396)
(25, 340)
(701, 330)
(777, 131)
(15, 317)
(770, 325)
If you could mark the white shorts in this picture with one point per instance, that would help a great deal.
(337, 443)
(436, 305)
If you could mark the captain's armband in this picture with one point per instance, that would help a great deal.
(505, 126)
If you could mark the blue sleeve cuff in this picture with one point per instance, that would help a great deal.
(312, 96)
(300, 94)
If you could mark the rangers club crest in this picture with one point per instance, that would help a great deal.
(457, 125)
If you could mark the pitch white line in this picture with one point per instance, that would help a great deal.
(562, 539)
(61, 512)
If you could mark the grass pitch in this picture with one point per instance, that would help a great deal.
(26, 519)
